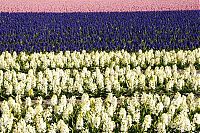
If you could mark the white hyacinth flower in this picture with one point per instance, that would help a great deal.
(196, 118)
(159, 107)
(182, 123)
(54, 100)
(40, 124)
(161, 128)
(30, 113)
(98, 105)
(28, 102)
(122, 113)
(165, 119)
(38, 109)
(52, 128)
(62, 127)
(79, 122)
(47, 114)
(169, 85)
(124, 125)
(129, 120)
(63, 100)
(11, 102)
(21, 126)
(166, 101)
(97, 121)
(67, 111)
(172, 109)
(147, 122)
(31, 129)
(5, 108)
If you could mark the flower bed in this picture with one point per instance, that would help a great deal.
(99, 72)
(35, 32)
(134, 91)
(138, 113)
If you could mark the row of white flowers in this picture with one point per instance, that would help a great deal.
(139, 113)
(113, 79)
(82, 59)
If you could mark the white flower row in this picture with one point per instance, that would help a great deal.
(113, 79)
(82, 59)
(139, 113)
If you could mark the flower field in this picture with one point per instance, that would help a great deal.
(105, 31)
(96, 5)
(100, 72)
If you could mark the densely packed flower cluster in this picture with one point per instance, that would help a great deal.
(77, 60)
(97, 6)
(98, 73)
(35, 32)
(134, 91)
(139, 113)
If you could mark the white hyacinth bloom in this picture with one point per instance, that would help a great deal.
(97, 121)
(38, 109)
(20, 127)
(79, 122)
(98, 105)
(129, 120)
(172, 109)
(5, 108)
(124, 125)
(54, 100)
(182, 123)
(159, 107)
(165, 118)
(28, 102)
(47, 114)
(31, 129)
(40, 124)
(67, 111)
(29, 115)
(161, 128)
(147, 122)
(166, 101)
(122, 113)
(11, 102)
(52, 128)
(62, 127)
(196, 118)
(63, 100)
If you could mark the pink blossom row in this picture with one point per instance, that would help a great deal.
(96, 5)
